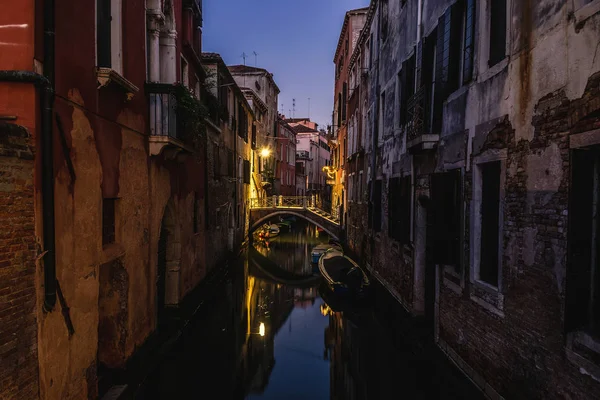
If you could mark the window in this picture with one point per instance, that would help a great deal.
(370, 46)
(216, 161)
(109, 34)
(469, 41)
(490, 222)
(230, 163)
(583, 273)
(376, 223)
(384, 20)
(407, 87)
(446, 199)
(351, 187)
(246, 172)
(381, 116)
(108, 221)
(253, 137)
(196, 210)
(344, 101)
(399, 209)
(498, 24)
(360, 187)
(185, 73)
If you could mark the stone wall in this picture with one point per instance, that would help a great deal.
(18, 326)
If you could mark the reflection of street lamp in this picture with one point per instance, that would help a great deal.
(261, 329)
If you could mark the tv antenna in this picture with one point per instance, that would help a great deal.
(244, 56)
(309, 108)
(293, 108)
(255, 58)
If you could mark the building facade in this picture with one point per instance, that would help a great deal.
(112, 181)
(285, 158)
(312, 155)
(344, 90)
(229, 162)
(479, 121)
(262, 92)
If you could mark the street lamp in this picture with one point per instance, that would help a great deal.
(265, 152)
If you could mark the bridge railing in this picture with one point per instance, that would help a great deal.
(307, 202)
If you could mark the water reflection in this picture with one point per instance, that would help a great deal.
(269, 335)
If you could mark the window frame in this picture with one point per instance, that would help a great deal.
(476, 218)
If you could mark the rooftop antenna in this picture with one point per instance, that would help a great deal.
(293, 108)
(309, 108)
(255, 58)
(244, 56)
(282, 109)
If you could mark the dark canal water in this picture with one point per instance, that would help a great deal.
(267, 333)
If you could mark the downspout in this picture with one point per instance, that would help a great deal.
(46, 84)
(48, 160)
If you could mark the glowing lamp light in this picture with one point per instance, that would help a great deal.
(265, 152)
(261, 329)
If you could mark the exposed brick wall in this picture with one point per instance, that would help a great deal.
(522, 355)
(18, 326)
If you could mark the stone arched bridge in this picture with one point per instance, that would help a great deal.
(263, 209)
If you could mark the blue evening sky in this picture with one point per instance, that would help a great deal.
(294, 39)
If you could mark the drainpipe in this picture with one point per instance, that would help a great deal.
(48, 160)
(46, 84)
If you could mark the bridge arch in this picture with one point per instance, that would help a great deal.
(307, 218)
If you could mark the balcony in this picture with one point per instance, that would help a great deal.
(165, 134)
(418, 124)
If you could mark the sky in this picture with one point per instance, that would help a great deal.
(295, 40)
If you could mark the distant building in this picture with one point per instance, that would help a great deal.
(345, 89)
(312, 154)
(285, 159)
(262, 93)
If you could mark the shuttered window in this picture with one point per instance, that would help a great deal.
(399, 209)
(469, 42)
(446, 199)
(246, 172)
(103, 33)
(377, 206)
(490, 222)
(216, 161)
(498, 25)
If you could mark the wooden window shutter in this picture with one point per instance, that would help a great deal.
(103, 46)
(469, 46)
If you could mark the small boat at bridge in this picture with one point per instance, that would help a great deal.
(342, 274)
(268, 231)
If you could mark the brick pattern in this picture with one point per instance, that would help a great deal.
(522, 355)
(18, 326)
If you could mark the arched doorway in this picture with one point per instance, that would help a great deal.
(168, 263)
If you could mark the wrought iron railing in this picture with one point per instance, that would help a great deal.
(417, 110)
(163, 109)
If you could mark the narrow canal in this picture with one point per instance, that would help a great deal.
(267, 333)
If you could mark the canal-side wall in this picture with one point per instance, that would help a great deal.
(526, 334)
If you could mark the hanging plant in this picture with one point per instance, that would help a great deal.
(190, 115)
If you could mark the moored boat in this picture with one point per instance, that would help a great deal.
(342, 274)
(318, 251)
